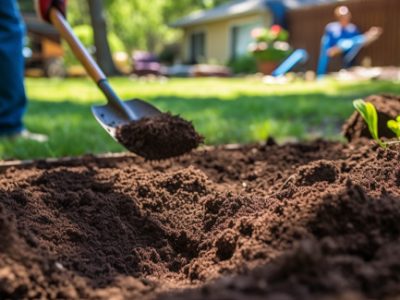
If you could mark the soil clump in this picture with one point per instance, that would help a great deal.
(159, 137)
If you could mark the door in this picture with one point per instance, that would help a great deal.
(197, 47)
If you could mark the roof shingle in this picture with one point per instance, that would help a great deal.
(239, 8)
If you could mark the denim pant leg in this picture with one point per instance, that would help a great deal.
(12, 90)
(323, 61)
(351, 47)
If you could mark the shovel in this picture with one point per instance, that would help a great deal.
(116, 112)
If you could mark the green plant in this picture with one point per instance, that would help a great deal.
(368, 113)
(245, 64)
(270, 43)
(394, 125)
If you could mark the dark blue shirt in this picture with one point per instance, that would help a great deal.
(335, 32)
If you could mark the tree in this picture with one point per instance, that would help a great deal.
(139, 24)
(103, 52)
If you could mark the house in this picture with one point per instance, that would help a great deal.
(224, 32)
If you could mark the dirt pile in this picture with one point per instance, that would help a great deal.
(388, 108)
(159, 137)
(341, 244)
(317, 220)
(306, 221)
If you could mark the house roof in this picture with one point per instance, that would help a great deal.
(239, 8)
(294, 4)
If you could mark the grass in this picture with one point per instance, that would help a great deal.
(223, 110)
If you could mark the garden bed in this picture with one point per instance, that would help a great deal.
(296, 221)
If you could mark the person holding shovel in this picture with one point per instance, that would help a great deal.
(13, 99)
(343, 38)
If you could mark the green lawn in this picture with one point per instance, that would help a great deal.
(223, 110)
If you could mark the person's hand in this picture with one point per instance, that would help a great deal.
(372, 34)
(43, 7)
(334, 51)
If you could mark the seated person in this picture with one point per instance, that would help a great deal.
(343, 38)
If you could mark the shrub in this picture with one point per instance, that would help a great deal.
(245, 64)
(170, 53)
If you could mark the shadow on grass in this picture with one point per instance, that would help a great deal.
(365, 88)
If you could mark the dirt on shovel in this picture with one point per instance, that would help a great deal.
(159, 137)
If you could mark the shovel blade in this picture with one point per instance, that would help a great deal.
(110, 116)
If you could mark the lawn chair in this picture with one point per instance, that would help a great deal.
(297, 57)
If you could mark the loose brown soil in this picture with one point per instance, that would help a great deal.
(388, 108)
(159, 137)
(318, 220)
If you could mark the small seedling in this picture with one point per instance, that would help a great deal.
(394, 125)
(368, 112)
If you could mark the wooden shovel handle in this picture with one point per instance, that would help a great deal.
(65, 30)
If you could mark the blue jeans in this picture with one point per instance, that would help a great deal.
(350, 48)
(12, 90)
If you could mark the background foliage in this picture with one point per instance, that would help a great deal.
(139, 24)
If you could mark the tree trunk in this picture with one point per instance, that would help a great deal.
(103, 52)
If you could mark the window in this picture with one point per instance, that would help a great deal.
(197, 47)
(241, 38)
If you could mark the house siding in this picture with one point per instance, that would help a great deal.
(218, 36)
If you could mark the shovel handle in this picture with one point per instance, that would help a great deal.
(91, 67)
(65, 30)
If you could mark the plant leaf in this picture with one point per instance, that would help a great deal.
(394, 126)
(372, 116)
(368, 113)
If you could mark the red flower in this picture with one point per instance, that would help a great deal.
(276, 29)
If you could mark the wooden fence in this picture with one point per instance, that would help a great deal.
(307, 25)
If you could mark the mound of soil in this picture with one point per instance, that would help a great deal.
(318, 220)
(388, 108)
(159, 137)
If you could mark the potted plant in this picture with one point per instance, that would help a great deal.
(270, 47)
